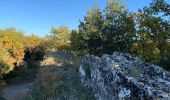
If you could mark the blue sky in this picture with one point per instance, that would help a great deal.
(38, 16)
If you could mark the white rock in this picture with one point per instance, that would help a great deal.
(81, 71)
(124, 93)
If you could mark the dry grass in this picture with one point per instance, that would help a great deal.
(59, 82)
(50, 61)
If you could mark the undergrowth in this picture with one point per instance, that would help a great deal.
(59, 83)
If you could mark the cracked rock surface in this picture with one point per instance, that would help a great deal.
(123, 77)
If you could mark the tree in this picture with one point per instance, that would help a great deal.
(90, 31)
(118, 28)
(153, 31)
(105, 32)
(59, 39)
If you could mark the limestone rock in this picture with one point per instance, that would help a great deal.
(123, 77)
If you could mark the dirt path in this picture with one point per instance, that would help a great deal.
(16, 92)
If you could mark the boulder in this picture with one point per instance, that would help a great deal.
(124, 77)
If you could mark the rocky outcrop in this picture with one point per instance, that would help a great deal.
(123, 77)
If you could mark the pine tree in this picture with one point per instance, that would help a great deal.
(91, 30)
(118, 28)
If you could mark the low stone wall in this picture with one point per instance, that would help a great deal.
(123, 77)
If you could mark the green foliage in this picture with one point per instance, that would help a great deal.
(105, 32)
(153, 32)
(59, 39)
(158, 6)
(118, 28)
(91, 30)
(145, 33)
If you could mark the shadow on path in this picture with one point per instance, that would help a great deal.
(16, 92)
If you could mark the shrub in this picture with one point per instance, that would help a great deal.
(11, 41)
(34, 47)
(6, 62)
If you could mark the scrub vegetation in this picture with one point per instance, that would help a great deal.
(145, 34)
